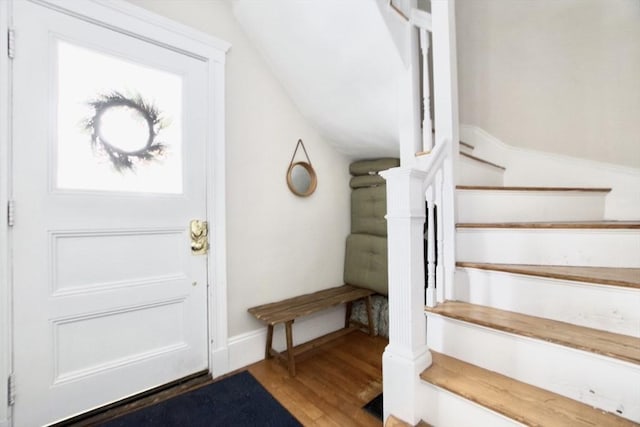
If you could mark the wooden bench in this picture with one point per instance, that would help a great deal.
(287, 311)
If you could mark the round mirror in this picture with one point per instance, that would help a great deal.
(301, 179)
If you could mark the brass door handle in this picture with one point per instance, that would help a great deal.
(199, 231)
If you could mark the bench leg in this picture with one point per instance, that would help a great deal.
(291, 360)
(347, 318)
(367, 302)
(267, 353)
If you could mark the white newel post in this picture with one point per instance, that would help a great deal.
(407, 354)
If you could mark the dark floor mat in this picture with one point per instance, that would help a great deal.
(375, 407)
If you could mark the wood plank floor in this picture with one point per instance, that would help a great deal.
(525, 403)
(618, 346)
(332, 384)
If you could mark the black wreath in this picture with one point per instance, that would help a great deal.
(121, 159)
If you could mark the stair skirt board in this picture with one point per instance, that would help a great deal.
(609, 308)
(443, 408)
(599, 381)
(473, 172)
(527, 205)
(600, 247)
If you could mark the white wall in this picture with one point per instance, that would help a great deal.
(559, 76)
(278, 245)
(528, 167)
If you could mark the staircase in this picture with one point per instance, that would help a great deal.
(532, 298)
(543, 326)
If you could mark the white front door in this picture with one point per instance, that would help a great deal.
(109, 133)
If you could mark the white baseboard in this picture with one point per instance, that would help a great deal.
(538, 168)
(247, 348)
(220, 362)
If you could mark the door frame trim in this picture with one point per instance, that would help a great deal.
(5, 175)
(123, 16)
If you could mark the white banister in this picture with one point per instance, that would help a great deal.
(421, 19)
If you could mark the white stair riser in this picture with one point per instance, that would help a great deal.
(609, 308)
(473, 172)
(513, 206)
(465, 149)
(445, 409)
(595, 380)
(578, 247)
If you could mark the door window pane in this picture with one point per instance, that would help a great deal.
(119, 124)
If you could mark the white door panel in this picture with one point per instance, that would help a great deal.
(108, 299)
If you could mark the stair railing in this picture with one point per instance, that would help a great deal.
(435, 154)
(420, 191)
(436, 184)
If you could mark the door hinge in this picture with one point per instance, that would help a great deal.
(11, 43)
(11, 390)
(10, 212)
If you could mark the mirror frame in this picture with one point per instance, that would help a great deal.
(312, 176)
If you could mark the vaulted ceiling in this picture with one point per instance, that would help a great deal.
(338, 63)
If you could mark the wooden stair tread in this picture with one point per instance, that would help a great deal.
(559, 225)
(393, 421)
(519, 401)
(618, 346)
(478, 159)
(625, 277)
(466, 144)
(525, 188)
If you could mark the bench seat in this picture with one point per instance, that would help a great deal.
(286, 311)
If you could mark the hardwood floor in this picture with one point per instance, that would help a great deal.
(332, 384)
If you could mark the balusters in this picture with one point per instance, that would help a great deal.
(431, 249)
(427, 136)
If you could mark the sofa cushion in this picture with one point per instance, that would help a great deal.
(361, 181)
(372, 167)
(368, 210)
(366, 262)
